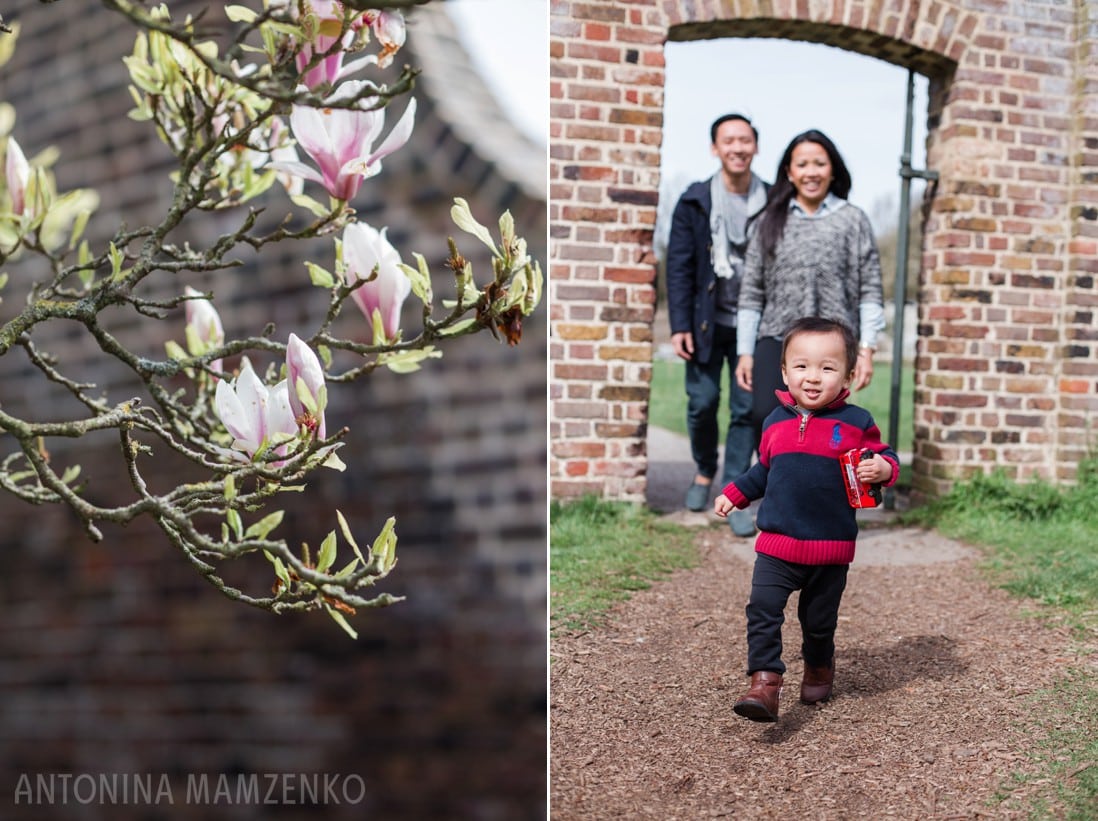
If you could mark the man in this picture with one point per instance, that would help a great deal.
(705, 253)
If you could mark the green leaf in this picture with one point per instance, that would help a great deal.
(535, 282)
(175, 351)
(116, 258)
(506, 228)
(420, 278)
(327, 554)
(194, 343)
(348, 570)
(309, 203)
(233, 518)
(334, 462)
(378, 324)
(230, 487)
(385, 545)
(346, 530)
(321, 277)
(407, 361)
(256, 183)
(78, 226)
(264, 526)
(280, 568)
(463, 219)
(240, 14)
(337, 617)
(7, 42)
(305, 396)
(460, 327)
(83, 257)
(70, 474)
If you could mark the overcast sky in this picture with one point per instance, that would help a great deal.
(509, 43)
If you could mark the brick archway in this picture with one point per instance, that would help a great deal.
(1006, 374)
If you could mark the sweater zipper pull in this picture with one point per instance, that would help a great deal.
(804, 424)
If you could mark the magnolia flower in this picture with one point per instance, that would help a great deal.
(340, 141)
(380, 299)
(251, 413)
(329, 68)
(388, 27)
(204, 331)
(17, 174)
(307, 394)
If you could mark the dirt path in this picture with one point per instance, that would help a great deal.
(934, 704)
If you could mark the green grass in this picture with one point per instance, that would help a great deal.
(667, 405)
(602, 551)
(1041, 538)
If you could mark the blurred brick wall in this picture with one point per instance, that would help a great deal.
(117, 657)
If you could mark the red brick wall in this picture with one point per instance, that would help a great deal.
(117, 658)
(1006, 371)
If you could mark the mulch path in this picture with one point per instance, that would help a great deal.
(935, 707)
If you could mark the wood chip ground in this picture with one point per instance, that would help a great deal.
(936, 705)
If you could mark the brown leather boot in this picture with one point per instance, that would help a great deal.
(760, 703)
(816, 684)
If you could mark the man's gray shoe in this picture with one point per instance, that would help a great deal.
(742, 523)
(697, 496)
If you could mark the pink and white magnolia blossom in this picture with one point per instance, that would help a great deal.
(204, 330)
(389, 28)
(330, 68)
(17, 174)
(251, 412)
(364, 248)
(340, 141)
(305, 376)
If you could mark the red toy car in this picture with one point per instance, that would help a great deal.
(858, 493)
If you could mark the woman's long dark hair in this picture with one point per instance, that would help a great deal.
(776, 211)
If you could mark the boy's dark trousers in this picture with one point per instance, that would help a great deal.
(772, 583)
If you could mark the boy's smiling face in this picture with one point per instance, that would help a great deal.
(815, 368)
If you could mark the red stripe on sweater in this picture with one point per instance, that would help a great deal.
(805, 551)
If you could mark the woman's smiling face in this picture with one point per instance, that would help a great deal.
(811, 174)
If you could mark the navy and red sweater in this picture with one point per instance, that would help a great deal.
(805, 517)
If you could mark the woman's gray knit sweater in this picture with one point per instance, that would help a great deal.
(825, 266)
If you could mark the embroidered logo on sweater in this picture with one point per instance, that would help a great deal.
(836, 436)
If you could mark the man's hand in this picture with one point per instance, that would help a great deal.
(683, 344)
(744, 366)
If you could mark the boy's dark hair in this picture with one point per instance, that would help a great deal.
(717, 123)
(821, 325)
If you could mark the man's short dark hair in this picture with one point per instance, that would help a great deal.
(717, 123)
(821, 325)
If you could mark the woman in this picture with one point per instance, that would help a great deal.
(813, 254)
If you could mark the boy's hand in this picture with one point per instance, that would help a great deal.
(874, 471)
(722, 506)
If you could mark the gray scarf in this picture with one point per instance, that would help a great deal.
(728, 242)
